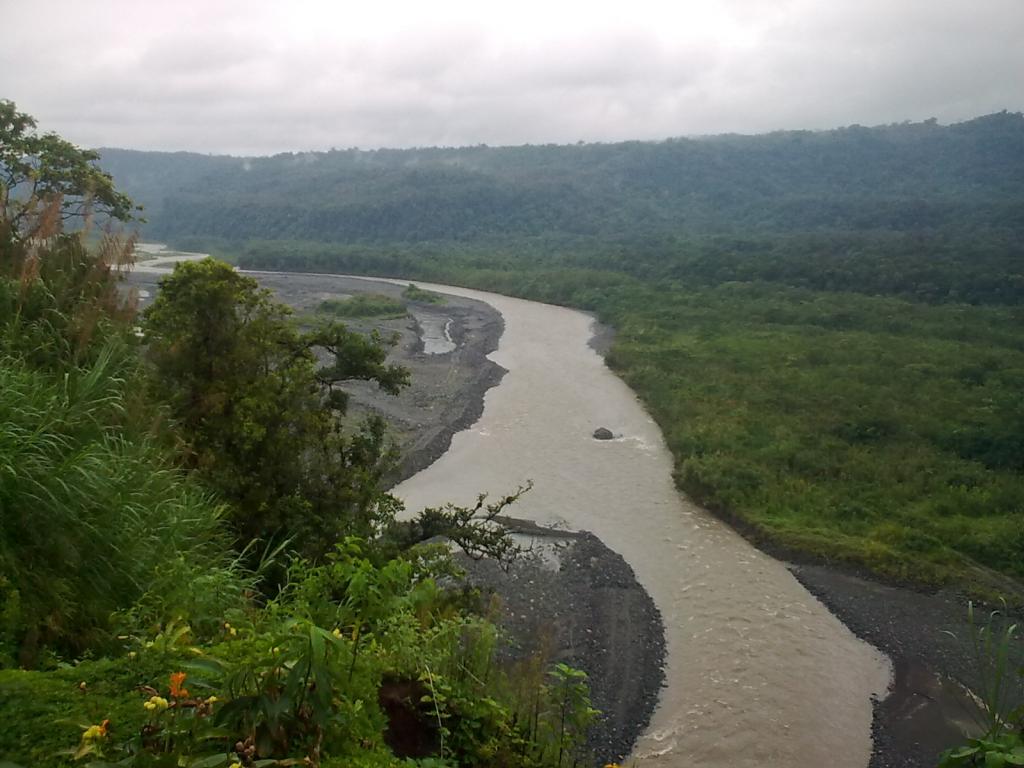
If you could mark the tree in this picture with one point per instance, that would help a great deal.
(45, 179)
(480, 530)
(59, 297)
(261, 418)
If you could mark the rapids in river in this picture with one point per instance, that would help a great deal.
(758, 672)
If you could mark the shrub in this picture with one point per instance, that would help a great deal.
(414, 293)
(363, 305)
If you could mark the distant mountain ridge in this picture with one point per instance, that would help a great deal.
(910, 176)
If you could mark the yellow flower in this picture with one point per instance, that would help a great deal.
(232, 631)
(336, 632)
(156, 704)
(96, 732)
(212, 700)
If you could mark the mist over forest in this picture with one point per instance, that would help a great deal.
(913, 209)
(909, 176)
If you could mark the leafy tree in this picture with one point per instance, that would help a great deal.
(479, 530)
(261, 416)
(46, 179)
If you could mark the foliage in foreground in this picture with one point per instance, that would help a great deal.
(354, 664)
(94, 520)
(94, 517)
(45, 180)
(111, 554)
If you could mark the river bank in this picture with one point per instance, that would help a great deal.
(590, 612)
(908, 726)
(447, 390)
(570, 598)
(926, 634)
(927, 708)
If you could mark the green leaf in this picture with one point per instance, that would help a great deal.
(212, 761)
(209, 666)
(216, 732)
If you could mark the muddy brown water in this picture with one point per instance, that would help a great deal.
(759, 673)
(435, 332)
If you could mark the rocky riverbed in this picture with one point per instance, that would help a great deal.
(569, 598)
(585, 603)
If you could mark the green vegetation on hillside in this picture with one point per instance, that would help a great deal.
(862, 429)
(915, 176)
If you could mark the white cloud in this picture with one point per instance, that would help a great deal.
(266, 77)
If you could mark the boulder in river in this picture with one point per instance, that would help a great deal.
(603, 433)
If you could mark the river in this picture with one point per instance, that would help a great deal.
(758, 672)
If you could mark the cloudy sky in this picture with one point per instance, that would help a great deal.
(259, 77)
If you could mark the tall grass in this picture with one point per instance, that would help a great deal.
(94, 519)
(91, 519)
(995, 649)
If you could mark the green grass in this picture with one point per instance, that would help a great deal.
(363, 305)
(869, 430)
(415, 293)
(44, 712)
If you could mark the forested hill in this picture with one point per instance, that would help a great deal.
(825, 325)
(967, 177)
